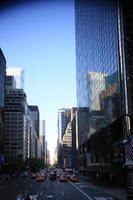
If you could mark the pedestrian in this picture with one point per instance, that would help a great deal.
(27, 197)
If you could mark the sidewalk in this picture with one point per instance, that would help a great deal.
(116, 191)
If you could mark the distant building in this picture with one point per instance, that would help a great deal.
(46, 152)
(74, 130)
(63, 120)
(2, 94)
(69, 142)
(55, 156)
(42, 137)
(32, 138)
(67, 147)
(42, 133)
(18, 74)
(35, 118)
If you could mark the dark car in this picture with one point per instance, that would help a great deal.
(130, 192)
(52, 176)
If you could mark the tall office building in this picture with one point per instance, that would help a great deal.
(10, 82)
(67, 147)
(2, 77)
(20, 138)
(69, 141)
(35, 118)
(42, 137)
(64, 116)
(63, 119)
(18, 74)
(33, 139)
(104, 49)
(16, 125)
(2, 88)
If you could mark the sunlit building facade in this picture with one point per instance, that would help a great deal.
(42, 137)
(69, 141)
(18, 74)
(64, 115)
(16, 125)
(104, 78)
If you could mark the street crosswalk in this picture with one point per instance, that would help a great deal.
(21, 197)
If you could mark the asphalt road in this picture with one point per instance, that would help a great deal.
(51, 190)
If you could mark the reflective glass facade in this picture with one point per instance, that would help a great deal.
(2, 88)
(97, 63)
(2, 77)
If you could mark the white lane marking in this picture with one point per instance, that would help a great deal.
(62, 193)
(81, 191)
(49, 196)
(34, 197)
(78, 183)
(41, 193)
(103, 198)
(83, 186)
(19, 196)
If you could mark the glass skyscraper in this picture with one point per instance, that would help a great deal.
(104, 44)
(2, 88)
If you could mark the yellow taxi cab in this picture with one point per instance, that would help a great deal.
(63, 177)
(74, 178)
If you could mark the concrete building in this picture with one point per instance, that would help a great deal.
(10, 82)
(32, 137)
(46, 153)
(74, 130)
(20, 138)
(42, 137)
(67, 147)
(69, 142)
(16, 131)
(55, 157)
(63, 119)
(2, 91)
(18, 74)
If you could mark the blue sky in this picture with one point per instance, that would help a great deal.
(40, 37)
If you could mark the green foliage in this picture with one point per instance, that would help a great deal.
(17, 164)
(14, 165)
(35, 164)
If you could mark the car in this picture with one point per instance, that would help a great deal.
(24, 174)
(129, 192)
(33, 175)
(63, 177)
(52, 176)
(74, 178)
(40, 178)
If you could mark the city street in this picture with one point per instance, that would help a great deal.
(49, 189)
